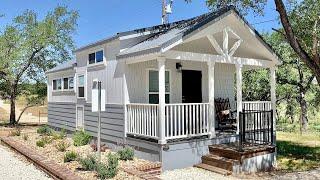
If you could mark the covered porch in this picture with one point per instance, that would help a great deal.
(171, 94)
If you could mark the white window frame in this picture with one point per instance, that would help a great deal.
(95, 57)
(147, 84)
(62, 84)
(84, 86)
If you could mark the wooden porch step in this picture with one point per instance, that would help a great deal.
(213, 169)
(225, 152)
(220, 162)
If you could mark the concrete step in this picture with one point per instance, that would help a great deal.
(213, 169)
(218, 161)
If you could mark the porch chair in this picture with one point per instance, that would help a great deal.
(226, 118)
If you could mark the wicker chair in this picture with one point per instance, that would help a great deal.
(225, 116)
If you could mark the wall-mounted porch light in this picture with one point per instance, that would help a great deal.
(179, 67)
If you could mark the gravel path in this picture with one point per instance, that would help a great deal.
(14, 167)
(200, 174)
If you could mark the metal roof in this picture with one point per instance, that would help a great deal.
(67, 65)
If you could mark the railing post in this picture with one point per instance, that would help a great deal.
(273, 100)
(212, 117)
(239, 91)
(162, 99)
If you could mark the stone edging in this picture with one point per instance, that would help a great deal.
(51, 167)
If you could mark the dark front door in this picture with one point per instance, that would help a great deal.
(191, 86)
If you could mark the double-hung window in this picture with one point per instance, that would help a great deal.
(95, 57)
(81, 86)
(56, 84)
(153, 89)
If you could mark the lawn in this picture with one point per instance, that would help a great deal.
(298, 152)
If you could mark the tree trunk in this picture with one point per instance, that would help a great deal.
(12, 110)
(304, 113)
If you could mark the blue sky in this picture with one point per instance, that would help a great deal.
(103, 18)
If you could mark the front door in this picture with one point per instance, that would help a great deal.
(191, 86)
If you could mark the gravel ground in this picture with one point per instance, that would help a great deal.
(12, 167)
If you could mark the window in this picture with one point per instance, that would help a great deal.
(71, 83)
(65, 83)
(54, 84)
(153, 89)
(96, 57)
(59, 85)
(81, 86)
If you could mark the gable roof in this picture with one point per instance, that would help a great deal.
(184, 29)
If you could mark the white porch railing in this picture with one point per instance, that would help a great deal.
(256, 105)
(186, 120)
(142, 120)
(181, 120)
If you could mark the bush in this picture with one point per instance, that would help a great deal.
(62, 146)
(126, 153)
(58, 135)
(89, 163)
(25, 137)
(70, 156)
(113, 162)
(40, 143)
(45, 130)
(43, 141)
(102, 171)
(81, 138)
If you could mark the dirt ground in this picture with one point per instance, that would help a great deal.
(31, 115)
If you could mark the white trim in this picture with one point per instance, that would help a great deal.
(95, 50)
(77, 126)
(84, 86)
(190, 56)
(215, 44)
(147, 84)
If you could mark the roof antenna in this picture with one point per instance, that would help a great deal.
(166, 9)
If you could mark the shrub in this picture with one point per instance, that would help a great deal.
(43, 141)
(126, 153)
(25, 137)
(45, 130)
(113, 162)
(58, 135)
(89, 163)
(102, 171)
(62, 146)
(40, 143)
(81, 138)
(70, 156)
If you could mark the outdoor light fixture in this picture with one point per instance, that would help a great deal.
(179, 67)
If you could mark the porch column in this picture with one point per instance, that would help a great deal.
(273, 99)
(212, 118)
(162, 99)
(239, 93)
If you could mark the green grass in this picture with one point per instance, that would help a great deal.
(298, 152)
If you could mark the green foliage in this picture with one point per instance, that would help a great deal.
(88, 163)
(112, 168)
(45, 130)
(40, 143)
(126, 153)
(70, 156)
(59, 135)
(102, 171)
(81, 138)
(29, 46)
(62, 146)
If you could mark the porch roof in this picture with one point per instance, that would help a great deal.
(174, 35)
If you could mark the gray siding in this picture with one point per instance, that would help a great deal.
(62, 115)
(112, 122)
